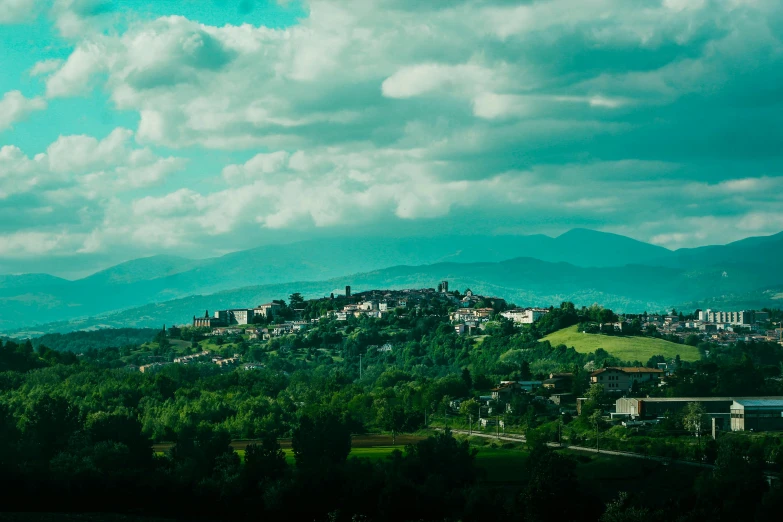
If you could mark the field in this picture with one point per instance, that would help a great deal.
(624, 348)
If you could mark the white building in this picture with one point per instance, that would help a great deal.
(526, 315)
(714, 316)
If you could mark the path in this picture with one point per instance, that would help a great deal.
(663, 460)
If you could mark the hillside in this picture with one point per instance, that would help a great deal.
(39, 299)
(624, 348)
(529, 270)
(523, 281)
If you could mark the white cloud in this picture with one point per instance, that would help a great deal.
(45, 67)
(74, 76)
(17, 11)
(15, 107)
(565, 111)
(70, 187)
(74, 18)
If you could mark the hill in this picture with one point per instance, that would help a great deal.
(523, 281)
(624, 348)
(581, 265)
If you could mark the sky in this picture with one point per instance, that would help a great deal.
(199, 127)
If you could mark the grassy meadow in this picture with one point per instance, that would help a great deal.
(624, 348)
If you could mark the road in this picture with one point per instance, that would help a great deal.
(663, 460)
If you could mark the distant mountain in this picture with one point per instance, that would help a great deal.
(524, 281)
(700, 273)
(27, 281)
(162, 278)
(583, 247)
(142, 269)
(761, 252)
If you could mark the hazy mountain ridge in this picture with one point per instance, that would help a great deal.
(524, 281)
(544, 268)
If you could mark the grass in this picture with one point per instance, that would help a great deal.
(624, 348)
(501, 464)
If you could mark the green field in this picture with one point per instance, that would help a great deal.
(624, 348)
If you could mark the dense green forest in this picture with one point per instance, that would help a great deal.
(78, 430)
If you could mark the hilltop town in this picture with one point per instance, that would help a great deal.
(469, 312)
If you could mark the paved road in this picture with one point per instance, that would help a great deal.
(664, 460)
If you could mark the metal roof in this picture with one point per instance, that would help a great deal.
(760, 403)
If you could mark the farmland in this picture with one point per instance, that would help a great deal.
(624, 348)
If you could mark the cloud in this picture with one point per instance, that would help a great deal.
(659, 120)
(56, 198)
(45, 67)
(15, 107)
(18, 11)
(74, 18)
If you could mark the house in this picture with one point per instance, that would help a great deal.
(506, 390)
(152, 368)
(525, 316)
(485, 423)
(529, 386)
(227, 362)
(621, 379)
(265, 310)
(460, 329)
(562, 399)
(559, 381)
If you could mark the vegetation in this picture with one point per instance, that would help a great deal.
(87, 431)
(625, 348)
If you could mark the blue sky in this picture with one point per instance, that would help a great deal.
(132, 128)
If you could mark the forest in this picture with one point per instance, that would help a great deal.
(82, 427)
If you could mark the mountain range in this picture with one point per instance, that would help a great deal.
(581, 265)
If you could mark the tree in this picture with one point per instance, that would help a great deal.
(466, 378)
(390, 416)
(621, 510)
(295, 299)
(50, 424)
(265, 461)
(525, 373)
(470, 408)
(322, 439)
(550, 475)
(693, 419)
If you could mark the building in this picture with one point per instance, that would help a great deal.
(559, 381)
(506, 390)
(737, 318)
(347, 291)
(529, 386)
(526, 315)
(209, 322)
(444, 287)
(757, 414)
(265, 310)
(152, 368)
(460, 329)
(241, 316)
(621, 379)
(740, 413)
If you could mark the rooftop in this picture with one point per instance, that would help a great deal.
(760, 402)
(629, 369)
(703, 399)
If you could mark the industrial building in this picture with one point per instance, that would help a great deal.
(745, 413)
(757, 414)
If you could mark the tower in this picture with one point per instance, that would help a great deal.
(444, 286)
(347, 291)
